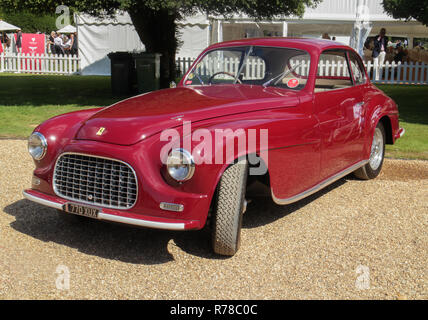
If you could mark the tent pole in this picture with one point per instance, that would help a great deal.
(220, 31)
(410, 41)
(284, 28)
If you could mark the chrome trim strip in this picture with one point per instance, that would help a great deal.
(41, 201)
(141, 223)
(319, 186)
(402, 132)
(90, 203)
(110, 217)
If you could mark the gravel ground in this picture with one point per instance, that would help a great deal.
(354, 240)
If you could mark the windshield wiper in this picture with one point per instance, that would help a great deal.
(281, 75)
(243, 64)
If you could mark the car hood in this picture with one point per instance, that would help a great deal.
(129, 121)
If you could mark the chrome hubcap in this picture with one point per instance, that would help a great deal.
(376, 154)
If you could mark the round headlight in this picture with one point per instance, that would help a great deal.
(37, 145)
(180, 165)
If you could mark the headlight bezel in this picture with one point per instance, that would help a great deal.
(186, 160)
(43, 145)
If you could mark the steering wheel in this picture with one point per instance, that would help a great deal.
(223, 72)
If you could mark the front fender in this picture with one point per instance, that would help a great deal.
(59, 131)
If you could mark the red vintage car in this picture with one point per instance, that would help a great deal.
(294, 114)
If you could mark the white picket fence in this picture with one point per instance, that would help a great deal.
(391, 73)
(39, 64)
(399, 73)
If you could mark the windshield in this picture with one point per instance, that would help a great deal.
(252, 65)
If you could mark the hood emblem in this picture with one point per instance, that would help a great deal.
(101, 131)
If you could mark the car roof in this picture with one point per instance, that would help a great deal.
(317, 45)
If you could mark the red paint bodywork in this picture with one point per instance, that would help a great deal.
(312, 136)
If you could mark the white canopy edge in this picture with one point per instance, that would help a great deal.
(4, 26)
(68, 29)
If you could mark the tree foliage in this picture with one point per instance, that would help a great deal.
(156, 20)
(407, 9)
(30, 22)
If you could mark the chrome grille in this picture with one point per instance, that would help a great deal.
(95, 180)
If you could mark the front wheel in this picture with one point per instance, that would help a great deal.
(229, 208)
(372, 169)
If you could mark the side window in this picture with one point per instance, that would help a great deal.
(297, 68)
(333, 71)
(357, 69)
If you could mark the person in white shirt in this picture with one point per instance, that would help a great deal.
(67, 45)
(59, 44)
(379, 51)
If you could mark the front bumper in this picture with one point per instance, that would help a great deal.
(116, 215)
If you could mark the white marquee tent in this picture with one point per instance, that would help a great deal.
(4, 26)
(336, 17)
(68, 29)
(98, 37)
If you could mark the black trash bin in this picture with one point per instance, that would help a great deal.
(147, 67)
(123, 75)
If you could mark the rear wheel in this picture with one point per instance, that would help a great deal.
(372, 169)
(229, 208)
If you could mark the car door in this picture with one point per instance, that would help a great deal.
(294, 142)
(338, 104)
(359, 109)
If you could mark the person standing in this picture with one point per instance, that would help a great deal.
(51, 42)
(59, 44)
(379, 51)
(5, 41)
(73, 43)
(67, 45)
(19, 41)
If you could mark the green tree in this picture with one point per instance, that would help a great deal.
(156, 20)
(30, 22)
(407, 9)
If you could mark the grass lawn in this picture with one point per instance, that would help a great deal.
(27, 100)
(412, 104)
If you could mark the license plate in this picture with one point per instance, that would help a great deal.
(81, 210)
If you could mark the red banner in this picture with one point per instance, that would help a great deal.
(33, 43)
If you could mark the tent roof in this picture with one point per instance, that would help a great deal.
(120, 18)
(4, 26)
(68, 29)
